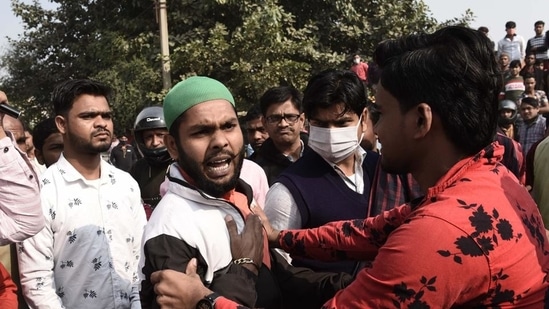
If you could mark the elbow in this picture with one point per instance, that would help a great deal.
(29, 229)
(38, 225)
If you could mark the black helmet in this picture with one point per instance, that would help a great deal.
(510, 105)
(151, 118)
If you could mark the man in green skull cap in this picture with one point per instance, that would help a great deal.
(204, 188)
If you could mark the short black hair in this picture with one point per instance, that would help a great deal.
(454, 71)
(515, 64)
(253, 113)
(67, 92)
(281, 94)
(332, 87)
(42, 131)
(510, 25)
(528, 75)
(530, 101)
(539, 22)
(483, 29)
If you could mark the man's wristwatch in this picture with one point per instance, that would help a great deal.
(207, 302)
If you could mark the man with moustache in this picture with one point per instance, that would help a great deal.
(283, 119)
(255, 129)
(87, 255)
(205, 187)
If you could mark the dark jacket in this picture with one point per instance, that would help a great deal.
(318, 190)
(149, 177)
(123, 157)
(272, 160)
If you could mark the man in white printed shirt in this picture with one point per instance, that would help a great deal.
(87, 255)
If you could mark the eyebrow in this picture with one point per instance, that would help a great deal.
(213, 125)
(95, 113)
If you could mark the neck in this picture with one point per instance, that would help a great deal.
(435, 163)
(532, 91)
(347, 166)
(293, 150)
(531, 120)
(89, 165)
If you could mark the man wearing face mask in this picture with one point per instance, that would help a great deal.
(332, 181)
(360, 68)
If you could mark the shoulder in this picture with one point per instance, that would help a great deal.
(251, 166)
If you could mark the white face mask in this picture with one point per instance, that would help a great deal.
(334, 144)
(356, 60)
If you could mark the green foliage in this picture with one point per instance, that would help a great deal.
(248, 45)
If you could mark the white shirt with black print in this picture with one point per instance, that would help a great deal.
(87, 255)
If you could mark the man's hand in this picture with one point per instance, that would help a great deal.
(272, 234)
(177, 290)
(249, 244)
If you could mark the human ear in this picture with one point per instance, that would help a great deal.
(171, 145)
(61, 124)
(364, 120)
(424, 119)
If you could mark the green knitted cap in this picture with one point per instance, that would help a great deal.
(190, 92)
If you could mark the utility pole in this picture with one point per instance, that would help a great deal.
(162, 17)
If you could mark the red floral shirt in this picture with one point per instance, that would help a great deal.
(476, 239)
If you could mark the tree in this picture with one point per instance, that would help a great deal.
(83, 39)
(248, 45)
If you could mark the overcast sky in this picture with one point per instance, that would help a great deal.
(490, 13)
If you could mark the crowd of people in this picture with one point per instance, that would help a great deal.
(295, 205)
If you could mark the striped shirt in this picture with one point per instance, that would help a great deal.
(539, 43)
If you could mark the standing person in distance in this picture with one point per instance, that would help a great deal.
(123, 156)
(512, 44)
(360, 68)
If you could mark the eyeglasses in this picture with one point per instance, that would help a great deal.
(289, 118)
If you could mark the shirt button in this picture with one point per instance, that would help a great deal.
(6, 149)
(31, 177)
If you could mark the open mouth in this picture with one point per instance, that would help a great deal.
(218, 167)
